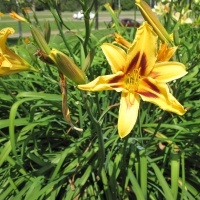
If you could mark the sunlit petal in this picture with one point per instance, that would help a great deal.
(15, 16)
(168, 71)
(122, 41)
(10, 62)
(128, 113)
(165, 53)
(158, 93)
(107, 82)
(115, 56)
(142, 54)
(4, 33)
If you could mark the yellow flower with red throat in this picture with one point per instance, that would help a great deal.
(15, 16)
(10, 62)
(137, 74)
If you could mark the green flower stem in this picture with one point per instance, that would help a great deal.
(13, 96)
(156, 130)
(86, 10)
(99, 133)
(183, 175)
(169, 16)
(61, 32)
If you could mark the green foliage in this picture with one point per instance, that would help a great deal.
(127, 4)
(42, 157)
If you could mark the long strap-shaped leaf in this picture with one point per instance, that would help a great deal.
(161, 179)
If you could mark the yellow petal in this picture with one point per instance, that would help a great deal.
(168, 71)
(121, 41)
(158, 93)
(115, 56)
(153, 20)
(4, 33)
(15, 16)
(128, 113)
(165, 53)
(10, 62)
(142, 54)
(107, 82)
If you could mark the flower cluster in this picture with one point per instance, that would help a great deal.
(139, 69)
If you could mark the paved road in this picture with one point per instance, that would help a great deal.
(101, 19)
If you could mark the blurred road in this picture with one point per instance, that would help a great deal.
(103, 17)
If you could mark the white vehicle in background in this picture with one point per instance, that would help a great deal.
(80, 15)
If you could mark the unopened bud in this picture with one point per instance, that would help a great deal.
(67, 67)
(184, 58)
(39, 39)
(176, 38)
(47, 31)
(151, 18)
(31, 51)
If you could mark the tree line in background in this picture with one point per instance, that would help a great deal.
(65, 5)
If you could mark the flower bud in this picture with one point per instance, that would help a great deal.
(31, 49)
(176, 38)
(47, 31)
(39, 39)
(67, 66)
(15, 16)
(184, 58)
(151, 18)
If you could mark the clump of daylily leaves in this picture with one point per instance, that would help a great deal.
(140, 69)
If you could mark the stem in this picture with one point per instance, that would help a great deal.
(99, 133)
(156, 130)
(61, 32)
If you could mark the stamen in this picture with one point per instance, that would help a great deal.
(132, 80)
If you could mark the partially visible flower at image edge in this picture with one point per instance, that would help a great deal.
(137, 74)
(1, 14)
(10, 62)
(15, 16)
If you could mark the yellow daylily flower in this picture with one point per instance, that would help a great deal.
(10, 62)
(1, 14)
(137, 74)
(153, 20)
(15, 16)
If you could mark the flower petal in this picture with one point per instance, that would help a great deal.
(107, 82)
(142, 54)
(115, 56)
(4, 33)
(122, 41)
(168, 71)
(165, 53)
(128, 113)
(158, 93)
